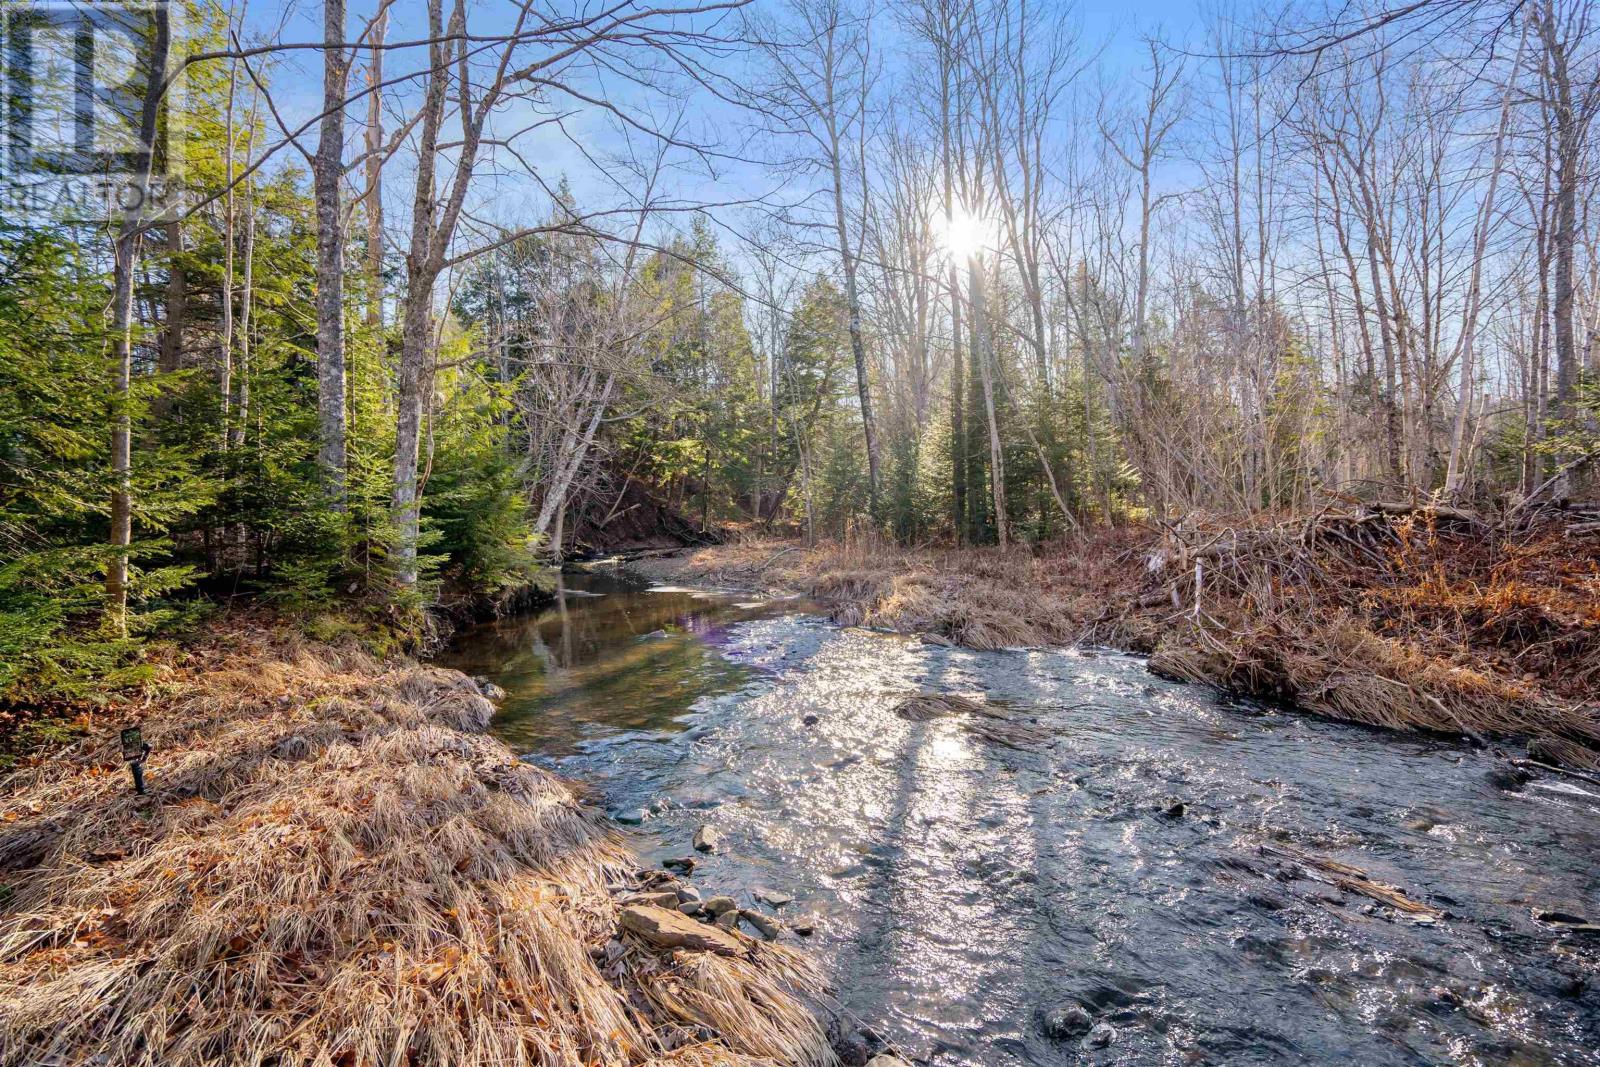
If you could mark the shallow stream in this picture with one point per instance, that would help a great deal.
(974, 873)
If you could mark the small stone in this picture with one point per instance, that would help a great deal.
(1510, 778)
(691, 907)
(852, 1050)
(1174, 808)
(728, 920)
(631, 817)
(686, 864)
(1067, 1021)
(707, 839)
(656, 900)
(488, 688)
(1102, 1035)
(766, 925)
(774, 898)
(887, 1059)
(720, 905)
(804, 926)
(811, 719)
(687, 893)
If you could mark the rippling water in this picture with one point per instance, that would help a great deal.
(968, 884)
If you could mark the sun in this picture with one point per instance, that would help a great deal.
(965, 234)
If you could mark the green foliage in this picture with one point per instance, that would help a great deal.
(54, 492)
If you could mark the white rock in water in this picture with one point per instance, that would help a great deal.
(1102, 1035)
(707, 839)
(774, 898)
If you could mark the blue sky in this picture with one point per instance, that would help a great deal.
(1114, 29)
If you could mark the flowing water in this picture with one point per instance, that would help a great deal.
(969, 879)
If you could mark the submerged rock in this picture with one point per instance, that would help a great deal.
(1510, 778)
(707, 839)
(1102, 1035)
(774, 898)
(852, 1049)
(686, 864)
(1067, 1021)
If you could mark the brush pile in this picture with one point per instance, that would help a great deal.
(1407, 618)
(336, 866)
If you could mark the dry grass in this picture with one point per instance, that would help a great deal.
(1398, 620)
(337, 867)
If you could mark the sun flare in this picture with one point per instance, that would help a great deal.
(965, 234)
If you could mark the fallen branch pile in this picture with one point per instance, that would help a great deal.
(1401, 617)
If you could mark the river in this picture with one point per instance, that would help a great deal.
(1096, 838)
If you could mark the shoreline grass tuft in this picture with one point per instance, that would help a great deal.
(336, 866)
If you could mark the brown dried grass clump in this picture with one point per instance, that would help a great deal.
(336, 866)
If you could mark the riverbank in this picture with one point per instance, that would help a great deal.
(336, 865)
(1406, 620)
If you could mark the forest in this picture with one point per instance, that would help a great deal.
(971, 281)
(1258, 341)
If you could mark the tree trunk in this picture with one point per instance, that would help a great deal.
(124, 254)
(326, 170)
(983, 347)
(374, 195)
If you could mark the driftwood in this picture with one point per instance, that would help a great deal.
(1352, 879)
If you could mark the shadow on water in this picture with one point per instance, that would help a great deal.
(966, 886)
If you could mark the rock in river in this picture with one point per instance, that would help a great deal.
(774, 898)
(721, 904)
(1067, 1021)
(766, 924)
(488, 688)
(707, 839)
(671, 930)
(1102, 1035)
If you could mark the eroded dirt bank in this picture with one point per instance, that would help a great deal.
(336, 865)
(1415, 620)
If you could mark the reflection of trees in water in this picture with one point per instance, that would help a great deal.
(625, 660)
